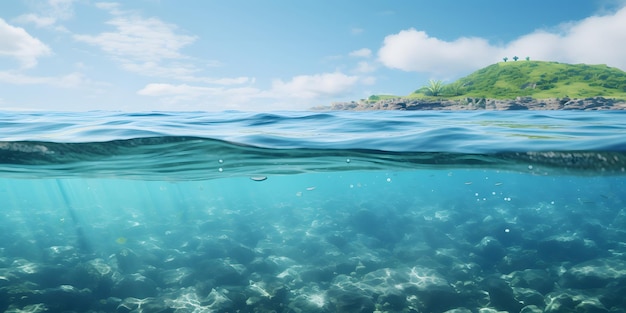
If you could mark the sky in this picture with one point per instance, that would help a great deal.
(253, 55)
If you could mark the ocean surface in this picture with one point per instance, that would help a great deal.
(313, 211)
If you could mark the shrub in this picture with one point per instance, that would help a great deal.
(434, 88)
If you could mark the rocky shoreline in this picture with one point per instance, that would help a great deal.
(520, 103)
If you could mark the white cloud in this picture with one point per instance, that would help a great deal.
(112, 7)
(39, 21)
(15, 42)
(138, 39)
(413, 50)
(356, 30)
(231, 81)
(61, 9)
(185, 96)
(52, 11)
(71, 80)
(157, 69)
(315, 86)
(158, 89)
(146, 46)
(192, 92)
(302, 91)
(594, 40)
(362, 53)
(151, 47)
(365, 67)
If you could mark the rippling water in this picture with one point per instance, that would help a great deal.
(312, 212)
(196, 145)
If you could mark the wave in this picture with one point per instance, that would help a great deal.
(201, 145)
(194, 158)
(397, 131)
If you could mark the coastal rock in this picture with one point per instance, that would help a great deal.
(537, 279)
(220, 272)
(573, 301)
(459, 310)
(388, 287)
(66, 298)
(529, 296)
(501, 295)
(134, 285)
(128, 261)
(95, 275)
(309, 299)
(350, 298)
(568, 247)
(490, 250)
(177, 277)
(531, 309)
(520, 103)
(516, 107)
(142, 305)
(597, 273)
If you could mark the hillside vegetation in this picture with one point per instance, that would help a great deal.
(537, 79)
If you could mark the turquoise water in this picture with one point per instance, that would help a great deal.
(313, 212)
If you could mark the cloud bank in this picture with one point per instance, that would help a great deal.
(51, 12)
(295, 92)
(146, 46)
(594, 40)
(15, 42)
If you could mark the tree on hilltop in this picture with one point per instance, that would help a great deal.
(505, 59)
(515, 58)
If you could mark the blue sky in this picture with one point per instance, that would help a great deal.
(146, 55)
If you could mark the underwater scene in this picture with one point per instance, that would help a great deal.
(313, 212)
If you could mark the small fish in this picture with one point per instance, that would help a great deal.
(498, 184)
(468, 183)
(310, 188)
(258, 178)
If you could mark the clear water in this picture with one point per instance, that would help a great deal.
(313, 212)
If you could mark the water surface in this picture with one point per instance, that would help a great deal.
(312, 212)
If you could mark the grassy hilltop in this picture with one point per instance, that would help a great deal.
(537, 79)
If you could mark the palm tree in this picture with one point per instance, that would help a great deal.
(515, 58)
(434, 88)
(505, 59)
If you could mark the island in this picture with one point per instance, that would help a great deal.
(515, 85)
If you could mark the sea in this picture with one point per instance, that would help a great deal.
(379, 211)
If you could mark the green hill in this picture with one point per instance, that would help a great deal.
(538, 79)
